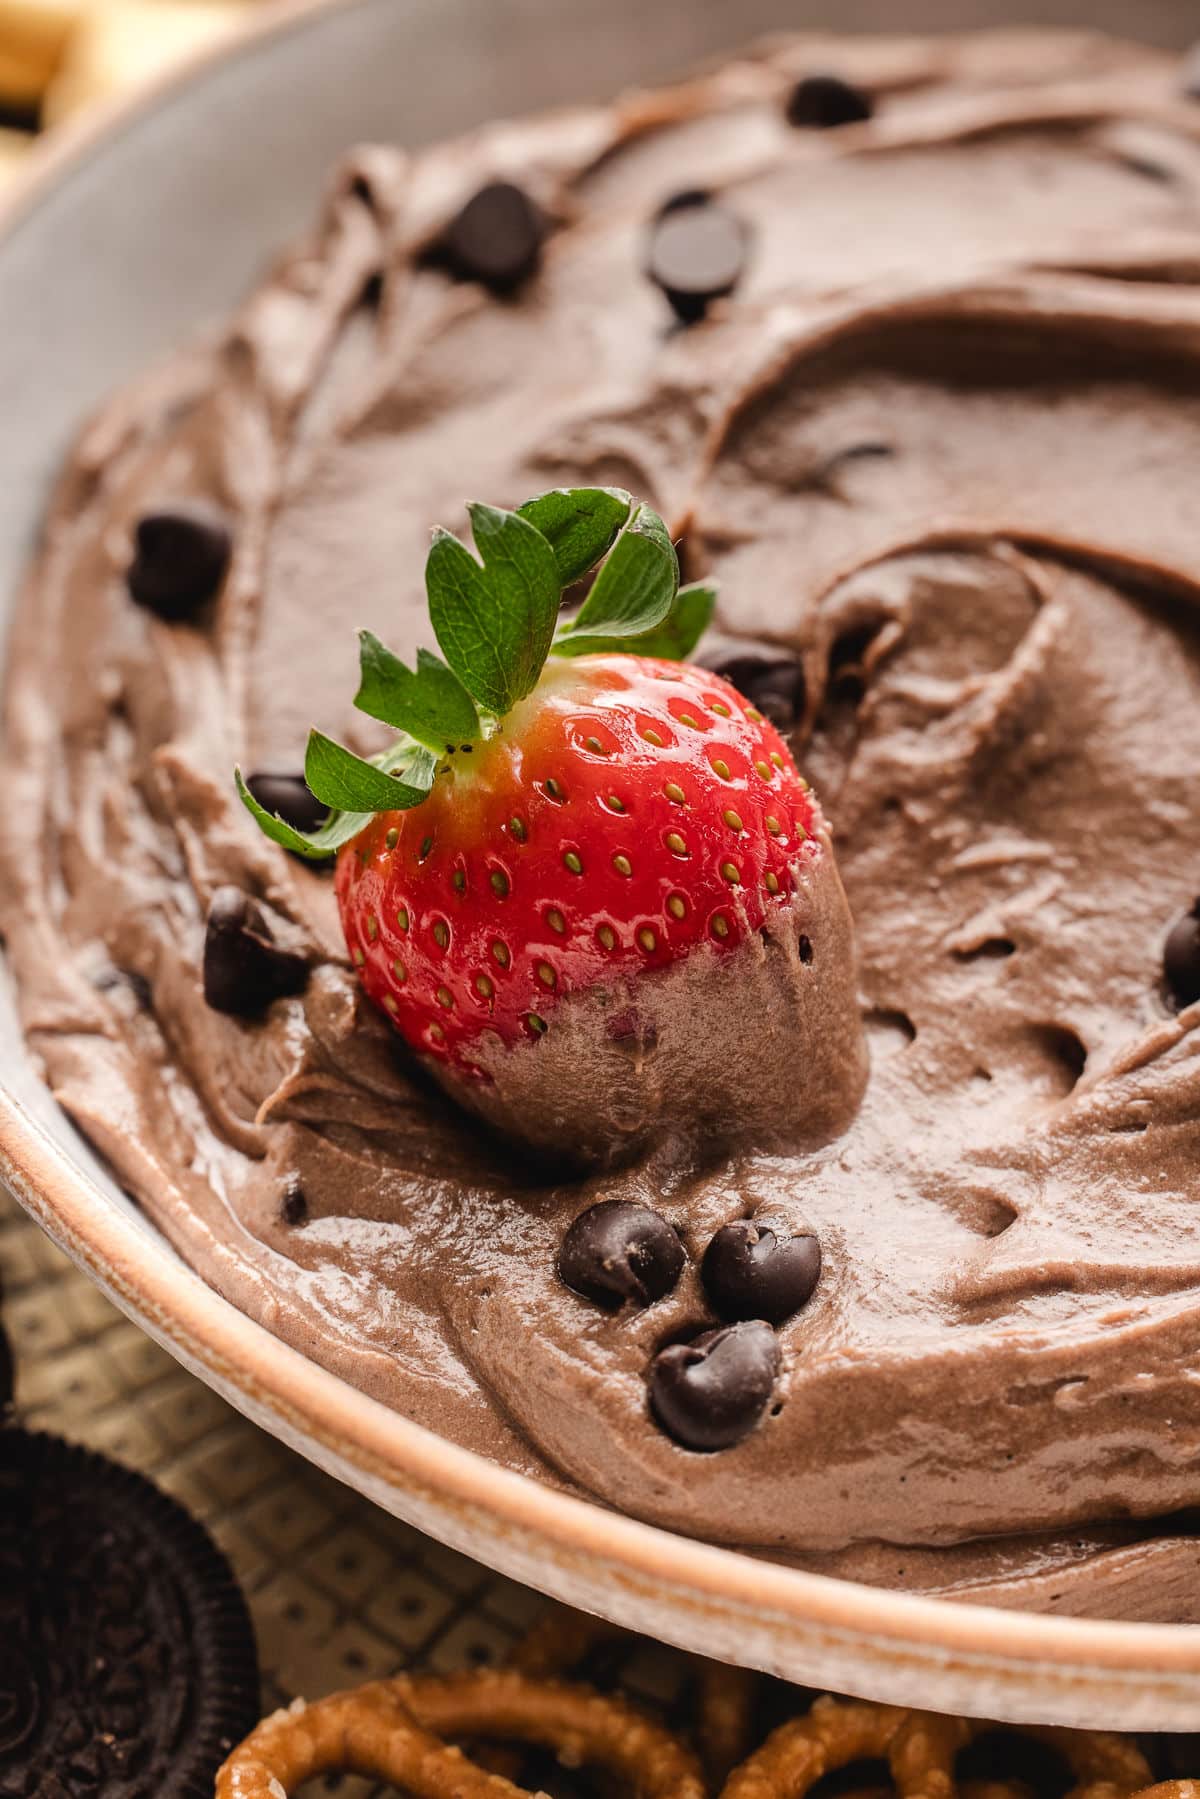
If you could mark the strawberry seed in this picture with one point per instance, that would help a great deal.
(623, 865)
(556, 921)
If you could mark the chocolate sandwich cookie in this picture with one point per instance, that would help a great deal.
(128, 1667)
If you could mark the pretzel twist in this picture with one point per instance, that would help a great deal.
(561, 1639)
(391, 1730)
(921, 1749)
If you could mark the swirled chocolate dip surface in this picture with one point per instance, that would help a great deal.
(938, 441)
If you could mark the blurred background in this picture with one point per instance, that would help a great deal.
(61, 58)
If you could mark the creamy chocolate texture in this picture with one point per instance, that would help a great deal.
(938, 444)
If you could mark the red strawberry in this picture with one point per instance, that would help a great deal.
(613, 913)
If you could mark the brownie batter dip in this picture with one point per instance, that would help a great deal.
(903, 340)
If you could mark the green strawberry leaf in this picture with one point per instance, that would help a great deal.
(684, 626)
(632, 594)
(431, 705)
(671, 641)
(579, 524)
(347, 783)
(338, 828)
(494, 624)
(495, 619)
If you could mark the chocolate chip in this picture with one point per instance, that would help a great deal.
(773, 680)
(821, 102)
(711, 1392)
(755, 1268)
(289, 796)
(496, 239)
(244, 970)
(696, 253)
(293, 1207)
(618, 1251)
(181, 555)
(1181, 959)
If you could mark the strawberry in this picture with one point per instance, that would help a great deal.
(573, 844)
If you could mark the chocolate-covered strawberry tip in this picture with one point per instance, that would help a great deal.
(586, 882)
(619, 1252)
(756, 1268)
(710, 1393)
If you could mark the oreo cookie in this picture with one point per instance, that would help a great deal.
(128, 1667)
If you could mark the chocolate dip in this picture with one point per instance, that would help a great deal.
(935, 428)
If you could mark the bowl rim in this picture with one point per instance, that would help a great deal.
(135, 1263)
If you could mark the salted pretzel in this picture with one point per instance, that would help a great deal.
(923, 1751)
(834, 1734)
(561, 1639)
(393, 1729)
(921, 1748)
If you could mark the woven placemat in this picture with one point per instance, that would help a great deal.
(340, 1591)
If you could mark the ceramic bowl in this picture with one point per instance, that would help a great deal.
(127, 237)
